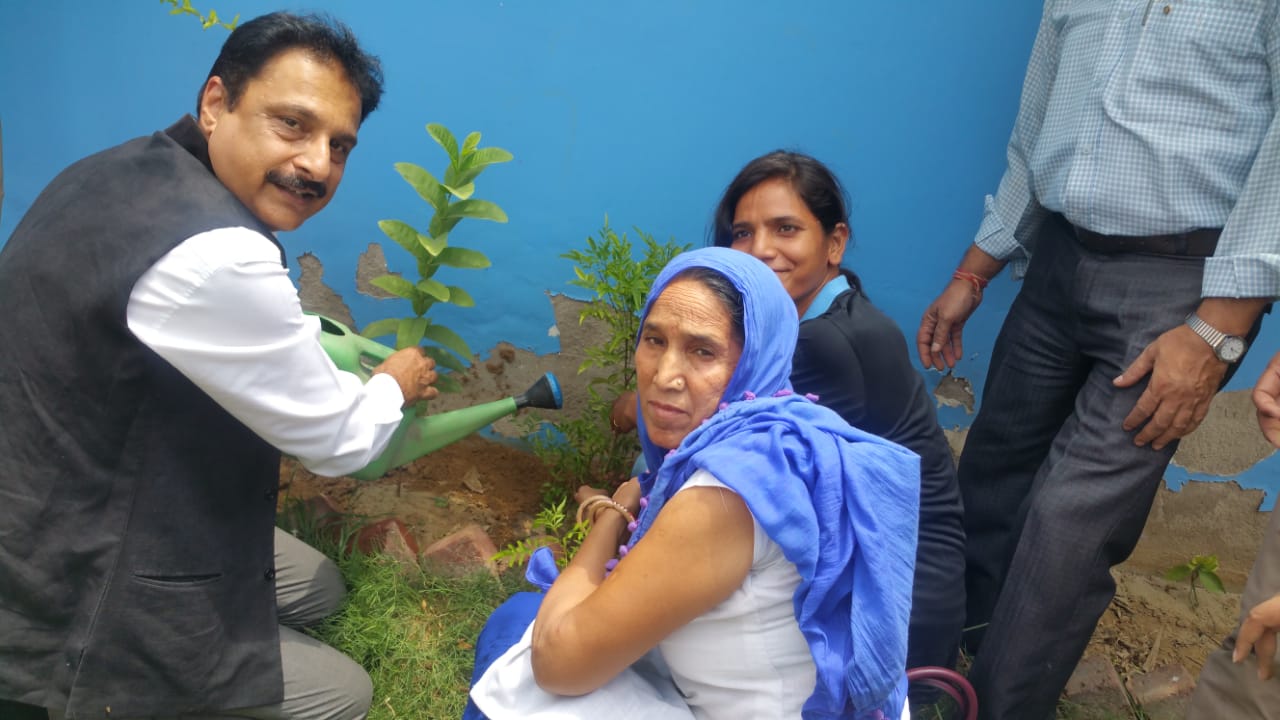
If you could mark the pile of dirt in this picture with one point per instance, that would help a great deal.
(474, 480)
(1153, 622)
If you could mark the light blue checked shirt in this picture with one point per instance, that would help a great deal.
(1147, 117)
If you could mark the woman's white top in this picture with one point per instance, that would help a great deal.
(746, 657)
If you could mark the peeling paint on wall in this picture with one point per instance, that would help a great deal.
(955, 391)
(1228, 442)
(371, 264)
(317, 297)
(508, 370)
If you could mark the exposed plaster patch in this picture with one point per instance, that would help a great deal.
(1203, 518)
(954, 391)
(317, 297)
(955, 439)
(371, 264)
(1228, 442)
(509, 370)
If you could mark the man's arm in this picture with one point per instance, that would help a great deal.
(1258, 631)
(1239, 280)
(1010, 214)
(222, 311)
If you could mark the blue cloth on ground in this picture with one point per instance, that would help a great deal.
(503, 629)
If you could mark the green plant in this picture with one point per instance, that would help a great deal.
(451, 201)
(552, 528)
(1202, 570)
(585, 450)
(206, 21)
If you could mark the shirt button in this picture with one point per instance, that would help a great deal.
(271, 495)
(270, 574)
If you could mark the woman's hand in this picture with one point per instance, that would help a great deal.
(628, 495)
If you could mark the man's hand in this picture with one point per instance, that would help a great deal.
(622, 417)
(413, 371)
(1266, 397)
(1258, 634)
(1185, 375)
(939, 339)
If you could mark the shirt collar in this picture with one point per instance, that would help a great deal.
(826, 296)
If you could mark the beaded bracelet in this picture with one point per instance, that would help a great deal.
(597, 501)
(979, 283)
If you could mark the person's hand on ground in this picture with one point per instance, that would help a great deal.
(413, 371)
(1258, 635)
(1185, 375)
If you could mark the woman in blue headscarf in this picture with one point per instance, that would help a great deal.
(768, 553)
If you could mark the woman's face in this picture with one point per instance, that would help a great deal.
(686, 356)
(774, 224)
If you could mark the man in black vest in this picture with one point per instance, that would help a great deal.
(156, 363)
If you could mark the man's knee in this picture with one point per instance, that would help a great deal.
(309, 586)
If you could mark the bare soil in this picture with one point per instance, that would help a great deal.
(474, 480)
(1152, 622)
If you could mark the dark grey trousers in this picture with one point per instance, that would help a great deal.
(1055, 492)
(1227, 690)
(320, 683)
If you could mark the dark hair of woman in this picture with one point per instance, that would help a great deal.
(812, 181)
(724, 291)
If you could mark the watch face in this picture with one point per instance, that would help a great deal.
(1231, 349)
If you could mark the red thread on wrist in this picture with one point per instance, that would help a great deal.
(978, 282)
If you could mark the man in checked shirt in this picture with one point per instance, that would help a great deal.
(1141, 207)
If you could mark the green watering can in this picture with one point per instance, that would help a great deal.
(416, 436)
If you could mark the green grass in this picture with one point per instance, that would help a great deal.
(412, 629)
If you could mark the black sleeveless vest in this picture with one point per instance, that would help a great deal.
(136, 515)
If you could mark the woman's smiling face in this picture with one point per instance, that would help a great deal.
(687, 354)
(773, 223)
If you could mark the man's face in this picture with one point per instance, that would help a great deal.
(283, 148)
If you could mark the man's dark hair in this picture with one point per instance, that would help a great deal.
(253, 44)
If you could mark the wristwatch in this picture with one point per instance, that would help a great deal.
(1228, 348)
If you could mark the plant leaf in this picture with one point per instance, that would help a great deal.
(460, 297)
(434, 245)
(410, 331)
(425, 183)
(478, 209)
(463, 258)
(434, 288)
(1181, 572)
(403, 234)
(471, 143)
(1211, 581)
(444, 358)
(378, 328)
(397, 286)
(441, 135)
(464, 192)
(444, 336)
(483, 157)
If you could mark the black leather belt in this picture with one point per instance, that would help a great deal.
(1193, 243)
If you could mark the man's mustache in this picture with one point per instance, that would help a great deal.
(293, 182)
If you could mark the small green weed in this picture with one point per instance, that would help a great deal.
(1199, 570)
(553, 528)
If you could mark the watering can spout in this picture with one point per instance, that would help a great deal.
(417, 436)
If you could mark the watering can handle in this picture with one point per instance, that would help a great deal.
(349, 350)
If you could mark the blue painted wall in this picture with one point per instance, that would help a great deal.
(643, 111)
